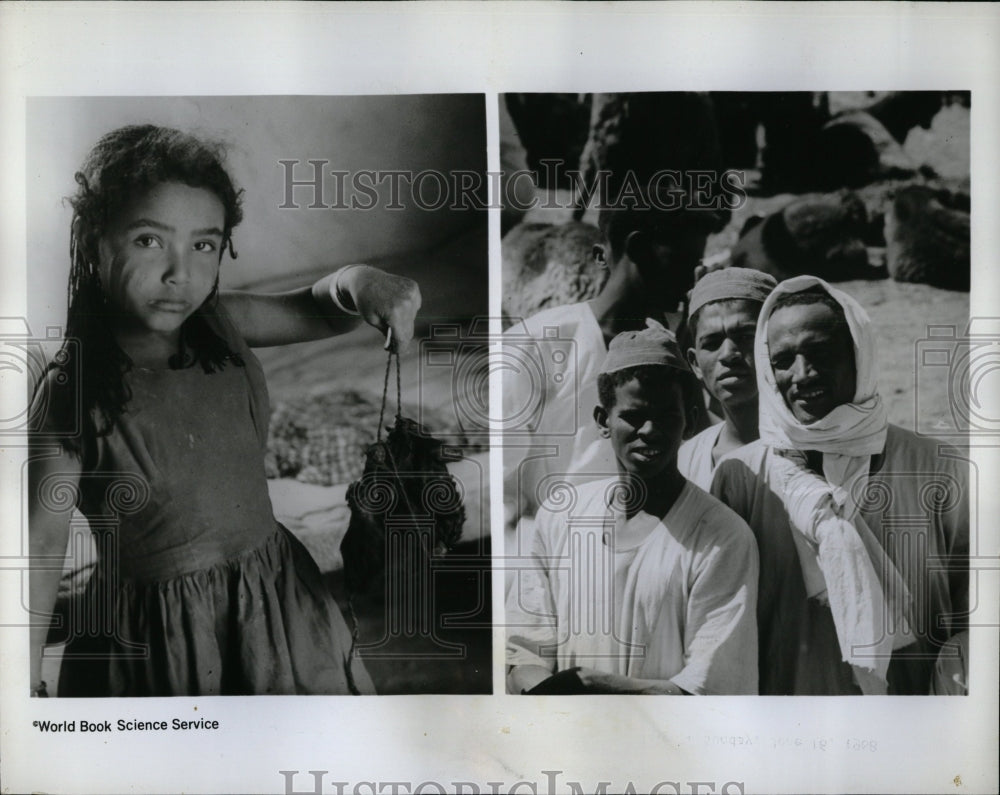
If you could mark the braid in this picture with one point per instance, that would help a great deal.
(97, 373)
(122, 166)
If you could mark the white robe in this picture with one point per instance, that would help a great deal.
(678, 605)
(917, 506)
(694, 459)
(550, 364)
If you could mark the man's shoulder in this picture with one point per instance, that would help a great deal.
(566, 318)
(694, 457)
(753, 451)
(903, 437)
(714, 522)
(703, 437)
(568, 498)
(903, 447)
(752, 457)
(568, 503)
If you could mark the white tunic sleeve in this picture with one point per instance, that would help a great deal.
(720, 634)
(531, 619)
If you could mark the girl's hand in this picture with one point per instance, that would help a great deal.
(330, 307)
(385, 301)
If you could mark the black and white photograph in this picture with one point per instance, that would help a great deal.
(727, 473)
(450, 353)
(246, 445)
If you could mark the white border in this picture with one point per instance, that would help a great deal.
(249, 48)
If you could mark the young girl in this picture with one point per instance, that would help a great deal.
(161, 414)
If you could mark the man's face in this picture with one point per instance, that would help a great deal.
(646, 427)
(722, 356)
(812, 356)
(666, 259)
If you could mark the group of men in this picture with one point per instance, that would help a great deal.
(801, 545)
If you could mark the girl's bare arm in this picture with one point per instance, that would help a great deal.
(383, 300)
(53, 483)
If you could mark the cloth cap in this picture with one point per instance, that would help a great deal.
(653, 345)
(746, 284)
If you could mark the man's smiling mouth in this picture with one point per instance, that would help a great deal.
(647, 453)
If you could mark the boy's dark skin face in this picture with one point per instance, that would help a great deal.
(722, 357)
(646, 427)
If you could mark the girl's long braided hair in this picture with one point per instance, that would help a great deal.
(124, 165)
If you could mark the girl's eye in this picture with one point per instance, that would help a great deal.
(147, 241)
(204, 246)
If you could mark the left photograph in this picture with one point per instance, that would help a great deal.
(258, 423)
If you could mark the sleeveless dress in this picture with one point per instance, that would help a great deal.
(198, 589)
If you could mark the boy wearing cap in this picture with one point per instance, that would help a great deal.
(639, 583)
(723, 311)
(651, 255)
(653, 151)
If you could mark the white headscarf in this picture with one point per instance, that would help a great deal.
(839, 553)
(850, 434)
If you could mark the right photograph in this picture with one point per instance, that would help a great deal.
(738, 387)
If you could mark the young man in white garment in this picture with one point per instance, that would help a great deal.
(551, 360)
(862, 526)
(723, 310)
(640, 583)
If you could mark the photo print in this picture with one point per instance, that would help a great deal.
(730, 467)
(247, 472)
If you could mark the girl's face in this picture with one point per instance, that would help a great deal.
(160, 259)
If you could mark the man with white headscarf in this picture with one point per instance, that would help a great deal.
(862, 527)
